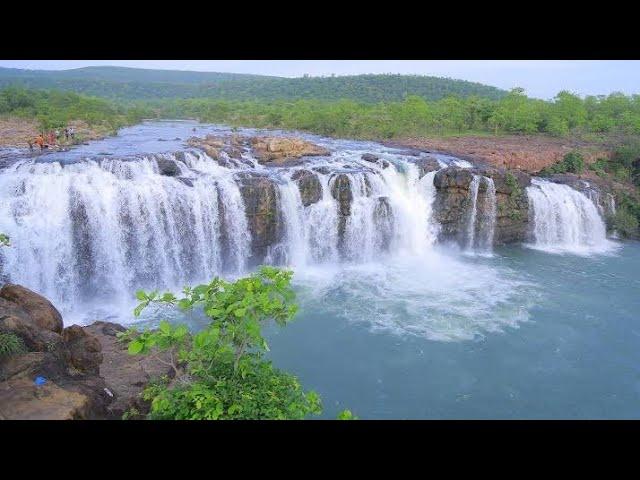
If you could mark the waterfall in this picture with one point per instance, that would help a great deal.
(473, 211)
(292, 209)
(489, 213)
(93, 230)
(103, 228)
(390, 210)
(565, 220)
(611, 201)
(481, 220)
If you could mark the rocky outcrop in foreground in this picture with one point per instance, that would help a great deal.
(66, 373)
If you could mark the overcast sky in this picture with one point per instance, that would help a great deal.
(540, 78)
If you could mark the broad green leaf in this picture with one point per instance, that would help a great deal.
(135, 347)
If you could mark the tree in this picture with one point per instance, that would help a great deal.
(220, 373)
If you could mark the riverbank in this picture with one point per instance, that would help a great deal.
(529, 153)
(17, 132)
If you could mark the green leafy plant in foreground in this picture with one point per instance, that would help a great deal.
(5, 241)
(346, 415)
(220, 372)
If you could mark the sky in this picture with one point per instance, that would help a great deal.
(540, 78)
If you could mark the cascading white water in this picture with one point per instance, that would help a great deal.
(390, 210)
(473, 211)
(482, 212)
(489, 214)
(100, 229)
(565, 220)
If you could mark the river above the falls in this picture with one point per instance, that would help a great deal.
(417, 329)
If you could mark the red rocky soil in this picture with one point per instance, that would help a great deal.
(525, 152)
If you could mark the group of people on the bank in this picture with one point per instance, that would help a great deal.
(47, 140)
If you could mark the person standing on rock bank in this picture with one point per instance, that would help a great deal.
(40, 141)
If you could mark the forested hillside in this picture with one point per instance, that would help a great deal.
(53, 109)
(142, 84)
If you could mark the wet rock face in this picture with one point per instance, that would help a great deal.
(426, 165)
(168, 167)
(260, 197)
(453, 203)
(512, 215)
(309, 186)
(341, 191)
(371, 158)
(384, 219)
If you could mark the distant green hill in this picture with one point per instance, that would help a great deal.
(141, 84)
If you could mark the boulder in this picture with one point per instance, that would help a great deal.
(370, 157)
(280, 149)
(20, 323)
(19, 366)
(84, 350)
(187, 181)
(341, 191)
(211, 145)
(426, 165)
(323, 170)
(21, 399)
(39, 309)
(309, 186)
(167, 167)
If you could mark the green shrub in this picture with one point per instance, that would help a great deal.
(572, 162)
(346, 415)
(516, 193)
(10, 344)
(220, 372)
(625, 222)
(599, 166)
